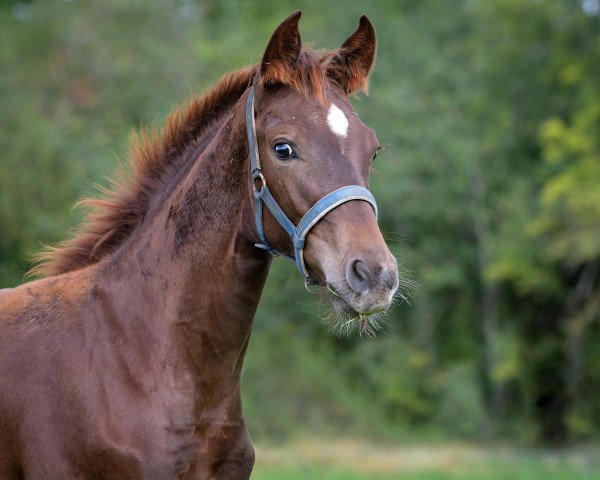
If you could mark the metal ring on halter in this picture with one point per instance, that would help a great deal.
(263, 182)
(307, 281)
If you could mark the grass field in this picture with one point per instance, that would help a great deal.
(360, 461)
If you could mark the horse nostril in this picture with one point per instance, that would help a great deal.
(363, 275)
(359, 270)
(358, 276)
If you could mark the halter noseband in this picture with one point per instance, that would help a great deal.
(262, 195)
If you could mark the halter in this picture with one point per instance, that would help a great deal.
(262, 194)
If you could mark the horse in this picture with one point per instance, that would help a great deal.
(123, 360)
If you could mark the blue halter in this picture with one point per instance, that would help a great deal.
(262, 195)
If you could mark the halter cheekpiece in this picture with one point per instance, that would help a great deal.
(315, 213)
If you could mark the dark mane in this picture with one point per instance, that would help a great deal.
(154, 158)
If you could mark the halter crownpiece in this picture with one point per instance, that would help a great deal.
(262, 194)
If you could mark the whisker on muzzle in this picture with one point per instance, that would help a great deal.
(347, 321)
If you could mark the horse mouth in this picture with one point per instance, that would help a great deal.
(346, 319)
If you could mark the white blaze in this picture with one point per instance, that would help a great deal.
(337, 121)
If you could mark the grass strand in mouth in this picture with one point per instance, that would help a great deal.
(365, 329)
(365, 324)
(332, 290)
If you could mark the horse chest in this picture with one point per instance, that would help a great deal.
(152, 435)
(155, 446)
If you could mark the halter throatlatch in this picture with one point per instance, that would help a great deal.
(262, 195)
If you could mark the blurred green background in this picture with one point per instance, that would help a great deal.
(489, 191)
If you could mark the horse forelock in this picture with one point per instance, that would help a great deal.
(307, 76)
(155, 157)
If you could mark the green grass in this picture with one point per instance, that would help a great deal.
(352, 461)
(496, 472)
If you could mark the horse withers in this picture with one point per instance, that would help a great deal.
(124, 360)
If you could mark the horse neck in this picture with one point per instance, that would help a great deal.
(192, 267)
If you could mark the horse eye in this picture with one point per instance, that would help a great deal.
(283, 151)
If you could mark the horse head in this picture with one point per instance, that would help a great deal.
(310, 142)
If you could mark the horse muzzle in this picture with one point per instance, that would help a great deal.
(367, 287)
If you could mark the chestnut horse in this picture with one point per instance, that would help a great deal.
(124, 360)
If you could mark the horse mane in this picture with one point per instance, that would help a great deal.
(155, 157)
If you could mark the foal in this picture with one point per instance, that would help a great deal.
(124, 361)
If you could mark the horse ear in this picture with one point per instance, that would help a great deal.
(282, 51)
(351, 64)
